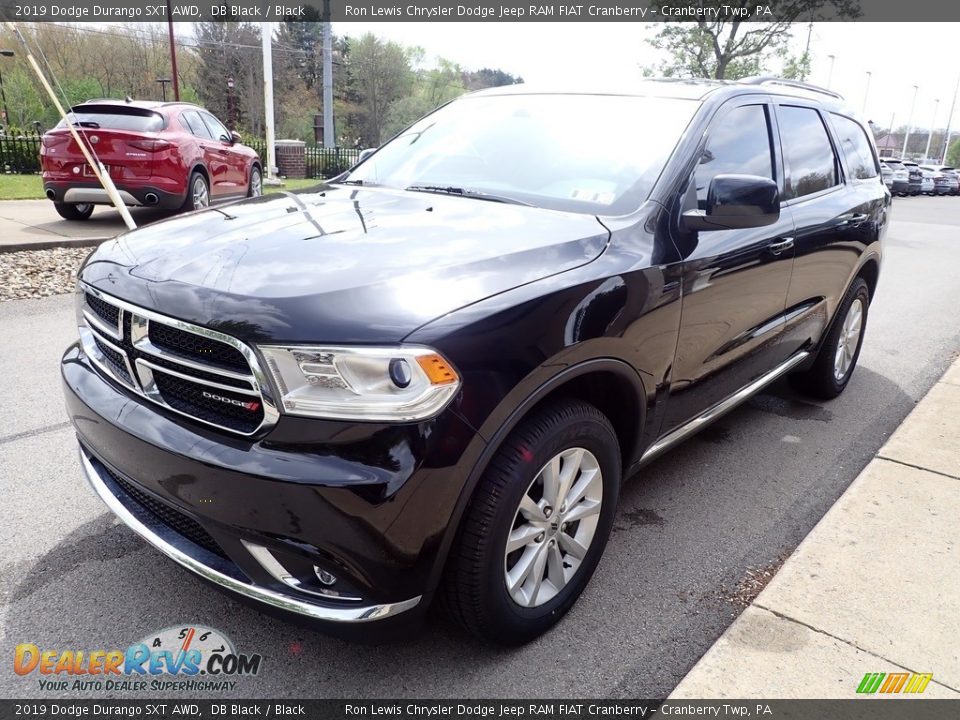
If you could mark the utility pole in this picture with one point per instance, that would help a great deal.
(933, 124)
(833, 59)
(946, 141)
(806, 52)
(866, 92)
(266, 36)
(329, 136)
(173, 57)
(906, 136)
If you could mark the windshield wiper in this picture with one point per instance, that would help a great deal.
(466, 192)
(350, 182)
(87, 124)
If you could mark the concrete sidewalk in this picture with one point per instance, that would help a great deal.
(874, 587)
(35, 225)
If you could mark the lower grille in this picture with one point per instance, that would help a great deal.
(174, 519)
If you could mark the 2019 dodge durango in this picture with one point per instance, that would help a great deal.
(428, 379)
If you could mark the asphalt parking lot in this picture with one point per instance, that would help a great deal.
(691, 527)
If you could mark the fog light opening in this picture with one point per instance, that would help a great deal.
(324, 577)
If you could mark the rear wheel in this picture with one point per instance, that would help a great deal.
(198, 192)
(74, 211)
(536, 526)
(838, 355)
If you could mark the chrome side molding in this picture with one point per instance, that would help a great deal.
(721, 408)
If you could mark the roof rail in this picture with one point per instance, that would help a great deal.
(773, 80)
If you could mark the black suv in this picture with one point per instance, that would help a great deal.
(427, 379)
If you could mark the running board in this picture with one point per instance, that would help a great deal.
(721, 408)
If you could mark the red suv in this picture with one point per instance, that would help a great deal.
(165, 155)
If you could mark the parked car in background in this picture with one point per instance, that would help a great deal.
(953, 178)
(927, 182)
(429, 380)
(164, 155)
(901, 176)
(916, 177)
(941, 183)
(886, 174)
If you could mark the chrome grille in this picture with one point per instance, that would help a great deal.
(197, 372)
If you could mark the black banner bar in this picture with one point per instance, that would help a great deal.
(472, 11)
(872, 708)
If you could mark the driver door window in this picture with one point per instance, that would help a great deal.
(738, 144)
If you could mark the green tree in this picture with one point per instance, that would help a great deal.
(725, 48)
(380, 74)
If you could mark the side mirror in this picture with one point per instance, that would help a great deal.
(736, 202)
(364, 154)
(235, 137)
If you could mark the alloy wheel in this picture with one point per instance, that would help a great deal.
(256, 184)
(849, 339)
(554, 527)
(201, 197)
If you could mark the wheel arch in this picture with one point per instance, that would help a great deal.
(611, 385)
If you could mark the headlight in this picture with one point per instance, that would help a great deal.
(361, 383)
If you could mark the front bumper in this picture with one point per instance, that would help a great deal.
(207, 565)
(370, 504)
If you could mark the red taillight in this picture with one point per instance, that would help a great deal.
(150, 145)
(51, 140)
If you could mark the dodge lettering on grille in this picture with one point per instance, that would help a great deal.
(251, 406)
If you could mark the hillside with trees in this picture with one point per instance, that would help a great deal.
(379, 86)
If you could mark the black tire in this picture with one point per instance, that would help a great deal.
(74, 211)
(821, 381)
(255, 173)
(190, 202)
(475, 590)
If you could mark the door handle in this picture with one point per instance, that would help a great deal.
(780, 246)
(853, 218)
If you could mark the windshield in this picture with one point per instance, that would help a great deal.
(597, 154)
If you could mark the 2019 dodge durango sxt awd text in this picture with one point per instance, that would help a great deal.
(426, 379)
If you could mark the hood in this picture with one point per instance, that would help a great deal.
(340, 264)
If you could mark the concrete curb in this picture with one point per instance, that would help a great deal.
(50, 244)
(874, 587)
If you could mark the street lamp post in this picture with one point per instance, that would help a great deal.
(3, 95)
(231, 104)
(906, 136)
(163, 83)
(833, 59)
(933, 124)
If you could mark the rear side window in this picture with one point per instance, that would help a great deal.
(856, 147)
(108, 117)
(195, 125)
(739, 143)
(807, 151)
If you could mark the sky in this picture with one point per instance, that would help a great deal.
(558, 54)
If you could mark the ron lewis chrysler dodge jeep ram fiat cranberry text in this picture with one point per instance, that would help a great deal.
(426, 380)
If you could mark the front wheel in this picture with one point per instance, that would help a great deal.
(255, 187)
(74, 211)
(536, 526)
(840, 350)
